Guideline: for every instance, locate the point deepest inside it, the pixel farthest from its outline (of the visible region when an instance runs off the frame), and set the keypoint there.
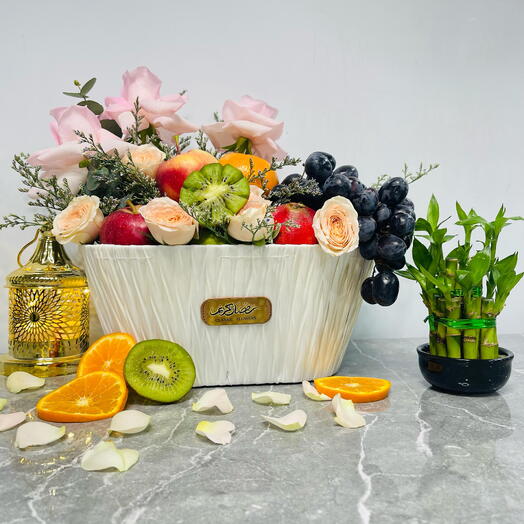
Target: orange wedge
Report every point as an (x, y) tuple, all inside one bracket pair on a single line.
[(243, 162), (97, 395), (357, 389), (108, 353)]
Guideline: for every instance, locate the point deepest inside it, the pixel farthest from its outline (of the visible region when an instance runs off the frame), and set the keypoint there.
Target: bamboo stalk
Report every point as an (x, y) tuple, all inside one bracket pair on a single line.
[(453, 335), (489, 344), (441, 328), (470, 337), (453, 311)]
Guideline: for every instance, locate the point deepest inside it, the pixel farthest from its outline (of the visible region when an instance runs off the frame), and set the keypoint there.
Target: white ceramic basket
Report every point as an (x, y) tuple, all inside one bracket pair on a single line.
[(157, 292)]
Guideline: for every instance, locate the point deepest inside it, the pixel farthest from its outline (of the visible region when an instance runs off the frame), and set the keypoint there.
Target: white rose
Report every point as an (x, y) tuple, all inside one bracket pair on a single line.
[(168, 222), (146, 157), (336, 226), (251, 215), (79, 222)]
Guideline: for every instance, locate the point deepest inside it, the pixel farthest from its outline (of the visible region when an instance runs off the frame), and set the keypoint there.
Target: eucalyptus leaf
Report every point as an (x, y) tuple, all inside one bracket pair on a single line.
[(88, 86), (93, 106), (74, 95), (111, 126)]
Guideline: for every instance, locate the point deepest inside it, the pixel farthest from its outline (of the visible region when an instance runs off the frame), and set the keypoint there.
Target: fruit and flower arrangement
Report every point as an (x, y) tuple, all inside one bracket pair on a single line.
[(134, 172)]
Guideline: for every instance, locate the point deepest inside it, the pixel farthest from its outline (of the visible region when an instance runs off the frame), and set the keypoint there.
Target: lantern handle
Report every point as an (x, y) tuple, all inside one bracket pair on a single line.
[(38, 231)]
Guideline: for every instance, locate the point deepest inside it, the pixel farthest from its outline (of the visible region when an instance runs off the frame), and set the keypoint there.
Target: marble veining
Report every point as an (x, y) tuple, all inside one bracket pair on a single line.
[(423, 457)]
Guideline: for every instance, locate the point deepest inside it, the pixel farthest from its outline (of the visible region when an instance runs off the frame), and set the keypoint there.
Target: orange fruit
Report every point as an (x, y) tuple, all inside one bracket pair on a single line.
[(357, 389), (97, 395), (108, 353), (241, 161)]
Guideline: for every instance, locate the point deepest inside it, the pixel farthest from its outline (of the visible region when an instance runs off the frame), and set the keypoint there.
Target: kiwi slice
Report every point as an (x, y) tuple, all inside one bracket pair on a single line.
[(215, 192), (159, 370)]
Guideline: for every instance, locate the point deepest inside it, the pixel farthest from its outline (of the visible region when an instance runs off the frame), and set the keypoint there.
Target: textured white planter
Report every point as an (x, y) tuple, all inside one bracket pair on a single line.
[(157, 292)]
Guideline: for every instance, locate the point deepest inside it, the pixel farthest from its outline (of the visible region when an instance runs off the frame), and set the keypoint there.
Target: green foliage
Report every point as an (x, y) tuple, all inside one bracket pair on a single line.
[(407, 174), (482, 270), (113, 180), (52, 196)]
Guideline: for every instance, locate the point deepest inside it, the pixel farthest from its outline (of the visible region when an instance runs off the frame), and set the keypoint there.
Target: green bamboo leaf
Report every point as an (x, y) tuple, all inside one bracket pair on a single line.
[(423, 225), (421, 255), (507, 265), (460, 212), (88, 86), (74, 95), (438, 282), (433, 212), (405, 274)]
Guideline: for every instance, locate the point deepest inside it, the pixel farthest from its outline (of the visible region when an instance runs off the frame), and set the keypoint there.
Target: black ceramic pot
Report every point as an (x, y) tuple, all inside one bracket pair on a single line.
[(459, 375)]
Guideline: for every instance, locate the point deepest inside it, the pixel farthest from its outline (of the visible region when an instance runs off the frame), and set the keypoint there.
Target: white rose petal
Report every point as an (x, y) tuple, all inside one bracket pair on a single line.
[(218, 432), (291, 422), (271, 397), (3, 402), (20, 380), (129, 421), (215, 398), (79, 222), (37, 434), (336, 226), (311, 392), (168, 222), (146, 157), (106, 455), (253, 213), (11, 420), (346, 415)]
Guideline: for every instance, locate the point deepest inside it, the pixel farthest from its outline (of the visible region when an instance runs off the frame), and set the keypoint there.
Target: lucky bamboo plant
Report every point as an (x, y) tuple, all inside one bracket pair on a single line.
[(465, 290)]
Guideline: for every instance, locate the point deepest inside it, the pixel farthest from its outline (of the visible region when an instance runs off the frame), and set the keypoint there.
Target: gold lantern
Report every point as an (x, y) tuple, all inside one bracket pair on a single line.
[(48, 313)]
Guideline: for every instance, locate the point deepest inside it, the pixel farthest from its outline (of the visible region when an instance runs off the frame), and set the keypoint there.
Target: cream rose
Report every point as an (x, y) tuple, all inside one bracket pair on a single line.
[(336, 226), (79, 222), (168, 222), (250, 215), (146, 157)]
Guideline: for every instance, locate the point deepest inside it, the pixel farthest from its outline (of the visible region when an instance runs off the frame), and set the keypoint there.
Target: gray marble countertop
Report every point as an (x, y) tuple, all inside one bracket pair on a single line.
[(423, 456)]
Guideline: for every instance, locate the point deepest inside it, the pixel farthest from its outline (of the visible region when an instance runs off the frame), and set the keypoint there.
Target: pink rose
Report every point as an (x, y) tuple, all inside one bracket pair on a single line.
[(158, 111), (79, 222), (251, 119), (336, 226), (252, 214), (62, 161), (168, 222)]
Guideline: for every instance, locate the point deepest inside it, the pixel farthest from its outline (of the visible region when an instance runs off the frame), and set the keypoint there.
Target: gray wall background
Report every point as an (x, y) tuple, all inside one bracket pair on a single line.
[(375, 83)]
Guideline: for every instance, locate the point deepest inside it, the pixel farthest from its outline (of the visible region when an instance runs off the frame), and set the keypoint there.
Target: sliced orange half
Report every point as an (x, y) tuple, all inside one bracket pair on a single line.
[(95, 396), (108, 353), (357, 389)]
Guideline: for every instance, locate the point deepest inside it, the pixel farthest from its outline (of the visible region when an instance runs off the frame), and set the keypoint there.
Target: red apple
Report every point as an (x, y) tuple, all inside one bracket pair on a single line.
[(302, 217), (171, 174), (125, 227)]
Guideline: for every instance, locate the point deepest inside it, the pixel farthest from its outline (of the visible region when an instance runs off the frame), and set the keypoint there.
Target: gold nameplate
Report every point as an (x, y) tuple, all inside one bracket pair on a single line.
[(235, 311)]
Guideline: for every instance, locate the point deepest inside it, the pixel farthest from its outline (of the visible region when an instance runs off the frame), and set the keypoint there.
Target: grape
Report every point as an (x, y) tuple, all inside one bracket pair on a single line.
[(382, 214), (407, 203), (382, 265), (406, 209), (366, 202), (347, 171), (385, 288), (369, 250), (393, 191), (390, 247), (336, 185), (355, 187), (407, 240), (319, 166), (290, 178), (366, 291), (367, 228), (401, 223)]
